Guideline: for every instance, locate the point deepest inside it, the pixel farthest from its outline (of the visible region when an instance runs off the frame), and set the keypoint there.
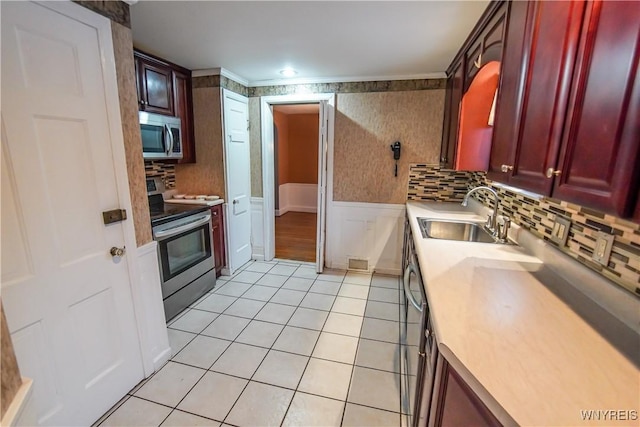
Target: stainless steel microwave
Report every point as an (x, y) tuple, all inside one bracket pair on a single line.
[(161, 136)]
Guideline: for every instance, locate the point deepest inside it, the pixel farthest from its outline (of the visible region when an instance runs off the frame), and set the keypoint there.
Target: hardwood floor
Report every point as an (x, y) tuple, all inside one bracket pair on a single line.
[(296, 236)]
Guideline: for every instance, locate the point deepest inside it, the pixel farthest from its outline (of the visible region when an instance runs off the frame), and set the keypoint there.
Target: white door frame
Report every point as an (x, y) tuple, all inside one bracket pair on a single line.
[(268, 185)]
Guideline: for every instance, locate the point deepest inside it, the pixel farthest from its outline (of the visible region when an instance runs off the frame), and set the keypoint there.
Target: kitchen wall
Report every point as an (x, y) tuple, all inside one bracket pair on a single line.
[(369, 117), (537, 214), (255, 147), (303, 148), (282, 149), (297, 147), (206, 176), (366, 124), (364, 221), (125, 72)]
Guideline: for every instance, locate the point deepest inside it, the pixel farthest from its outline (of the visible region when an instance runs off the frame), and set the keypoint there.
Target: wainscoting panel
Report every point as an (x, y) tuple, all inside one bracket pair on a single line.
[(257, 229), (297, 198), (150, 311), (369, 232)]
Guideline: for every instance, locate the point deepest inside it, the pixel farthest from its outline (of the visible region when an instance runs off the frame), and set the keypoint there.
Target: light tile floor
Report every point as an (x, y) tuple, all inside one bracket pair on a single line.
[(278, 345)]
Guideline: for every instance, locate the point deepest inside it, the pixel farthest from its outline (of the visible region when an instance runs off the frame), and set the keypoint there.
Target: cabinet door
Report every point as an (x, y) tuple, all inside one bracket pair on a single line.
[(599, 158), (155, 83), (536, 81), (458, 405), (184, 110), (488, 46), (451, 116), (510, 92), (219, 252)]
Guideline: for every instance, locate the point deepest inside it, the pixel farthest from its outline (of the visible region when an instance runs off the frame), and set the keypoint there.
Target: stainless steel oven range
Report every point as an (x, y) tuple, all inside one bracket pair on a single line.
[(185, 252)]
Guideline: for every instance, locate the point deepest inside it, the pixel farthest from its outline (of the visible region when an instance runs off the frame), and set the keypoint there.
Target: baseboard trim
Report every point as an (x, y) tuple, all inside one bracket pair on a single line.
[(161, 359)]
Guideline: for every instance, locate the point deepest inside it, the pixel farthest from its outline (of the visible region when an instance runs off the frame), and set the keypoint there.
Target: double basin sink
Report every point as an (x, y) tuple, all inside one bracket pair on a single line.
[(464, 231)]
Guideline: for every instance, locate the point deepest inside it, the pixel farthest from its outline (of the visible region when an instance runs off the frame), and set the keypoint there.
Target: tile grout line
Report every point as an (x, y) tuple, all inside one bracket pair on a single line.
[(271, 348), (353, 369), (285, 325), (265, 356), (309, 359)]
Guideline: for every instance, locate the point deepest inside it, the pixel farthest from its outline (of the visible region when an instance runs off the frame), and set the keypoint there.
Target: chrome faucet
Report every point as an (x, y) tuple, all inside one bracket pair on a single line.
[(492, 221)]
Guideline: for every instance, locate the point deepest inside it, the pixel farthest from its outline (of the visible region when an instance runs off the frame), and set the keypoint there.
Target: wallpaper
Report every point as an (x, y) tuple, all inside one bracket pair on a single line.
[(125, 71), (366, 125), (255, 147), (206, 176)]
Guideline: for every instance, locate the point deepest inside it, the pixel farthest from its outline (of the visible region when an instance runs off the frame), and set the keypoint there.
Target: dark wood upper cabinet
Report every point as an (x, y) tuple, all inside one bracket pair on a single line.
[(488, 45), (184, 110), (600, 155), (483, 45), (568, 114), (452, 112), (155, 86), (165, 88), (537, 69)]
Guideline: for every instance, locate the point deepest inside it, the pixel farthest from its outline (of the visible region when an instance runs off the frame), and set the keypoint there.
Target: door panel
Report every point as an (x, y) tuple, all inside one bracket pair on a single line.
[(157, 87), (601, 146), (538, 141), (238, 178), (68, 303)]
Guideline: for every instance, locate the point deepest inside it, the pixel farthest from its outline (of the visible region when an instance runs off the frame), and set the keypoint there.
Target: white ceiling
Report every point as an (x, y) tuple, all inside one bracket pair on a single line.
[(322, 40)]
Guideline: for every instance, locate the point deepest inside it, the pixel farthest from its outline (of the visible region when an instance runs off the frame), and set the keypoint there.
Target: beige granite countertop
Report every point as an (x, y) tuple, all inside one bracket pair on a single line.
[(528, 355)]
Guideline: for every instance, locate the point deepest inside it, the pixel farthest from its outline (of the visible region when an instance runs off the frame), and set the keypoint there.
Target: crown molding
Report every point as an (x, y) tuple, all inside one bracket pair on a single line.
[(310, 80)]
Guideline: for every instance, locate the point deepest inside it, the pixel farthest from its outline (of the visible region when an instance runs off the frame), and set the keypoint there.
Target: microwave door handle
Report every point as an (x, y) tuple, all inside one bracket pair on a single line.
[(170, 134), (177, 230)]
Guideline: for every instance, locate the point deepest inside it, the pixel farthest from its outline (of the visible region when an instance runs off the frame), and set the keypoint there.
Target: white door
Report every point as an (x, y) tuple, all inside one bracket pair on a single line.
[(237, 177), (322, 184), (68, 302)]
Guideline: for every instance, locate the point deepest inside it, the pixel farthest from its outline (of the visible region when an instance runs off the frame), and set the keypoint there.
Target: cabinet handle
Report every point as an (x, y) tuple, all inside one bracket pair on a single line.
[(478, 62), (215, 213), (551, 172), (506, 168)]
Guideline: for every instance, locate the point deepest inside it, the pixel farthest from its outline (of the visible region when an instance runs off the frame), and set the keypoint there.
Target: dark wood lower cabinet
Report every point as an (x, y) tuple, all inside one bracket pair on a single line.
[(456, 404), (219, 252)]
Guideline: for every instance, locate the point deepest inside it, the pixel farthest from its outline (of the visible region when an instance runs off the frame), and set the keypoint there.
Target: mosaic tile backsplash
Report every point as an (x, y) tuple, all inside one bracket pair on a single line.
[(432, 183), (166, 171)]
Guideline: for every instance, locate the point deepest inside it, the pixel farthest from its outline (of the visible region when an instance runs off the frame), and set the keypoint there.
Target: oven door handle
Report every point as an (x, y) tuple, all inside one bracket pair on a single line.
[(177, 230), (407, 291)]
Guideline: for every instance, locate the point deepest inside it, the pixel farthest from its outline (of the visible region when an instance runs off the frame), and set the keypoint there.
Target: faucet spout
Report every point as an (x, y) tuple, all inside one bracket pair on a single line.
[(492, 223)]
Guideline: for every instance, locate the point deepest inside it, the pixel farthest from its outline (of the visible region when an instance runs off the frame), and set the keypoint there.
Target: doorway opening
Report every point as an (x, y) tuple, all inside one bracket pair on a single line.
[(296, 138)]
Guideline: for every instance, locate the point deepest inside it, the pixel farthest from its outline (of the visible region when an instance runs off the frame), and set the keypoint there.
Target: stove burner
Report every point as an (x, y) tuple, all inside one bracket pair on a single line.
[(163, 212)]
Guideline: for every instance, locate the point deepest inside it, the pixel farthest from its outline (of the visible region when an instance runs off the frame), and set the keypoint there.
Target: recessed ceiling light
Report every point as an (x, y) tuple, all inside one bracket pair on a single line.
[(288, 72)]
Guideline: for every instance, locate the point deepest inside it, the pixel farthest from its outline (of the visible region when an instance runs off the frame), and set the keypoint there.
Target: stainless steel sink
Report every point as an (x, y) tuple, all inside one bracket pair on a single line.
[(465, 231)]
